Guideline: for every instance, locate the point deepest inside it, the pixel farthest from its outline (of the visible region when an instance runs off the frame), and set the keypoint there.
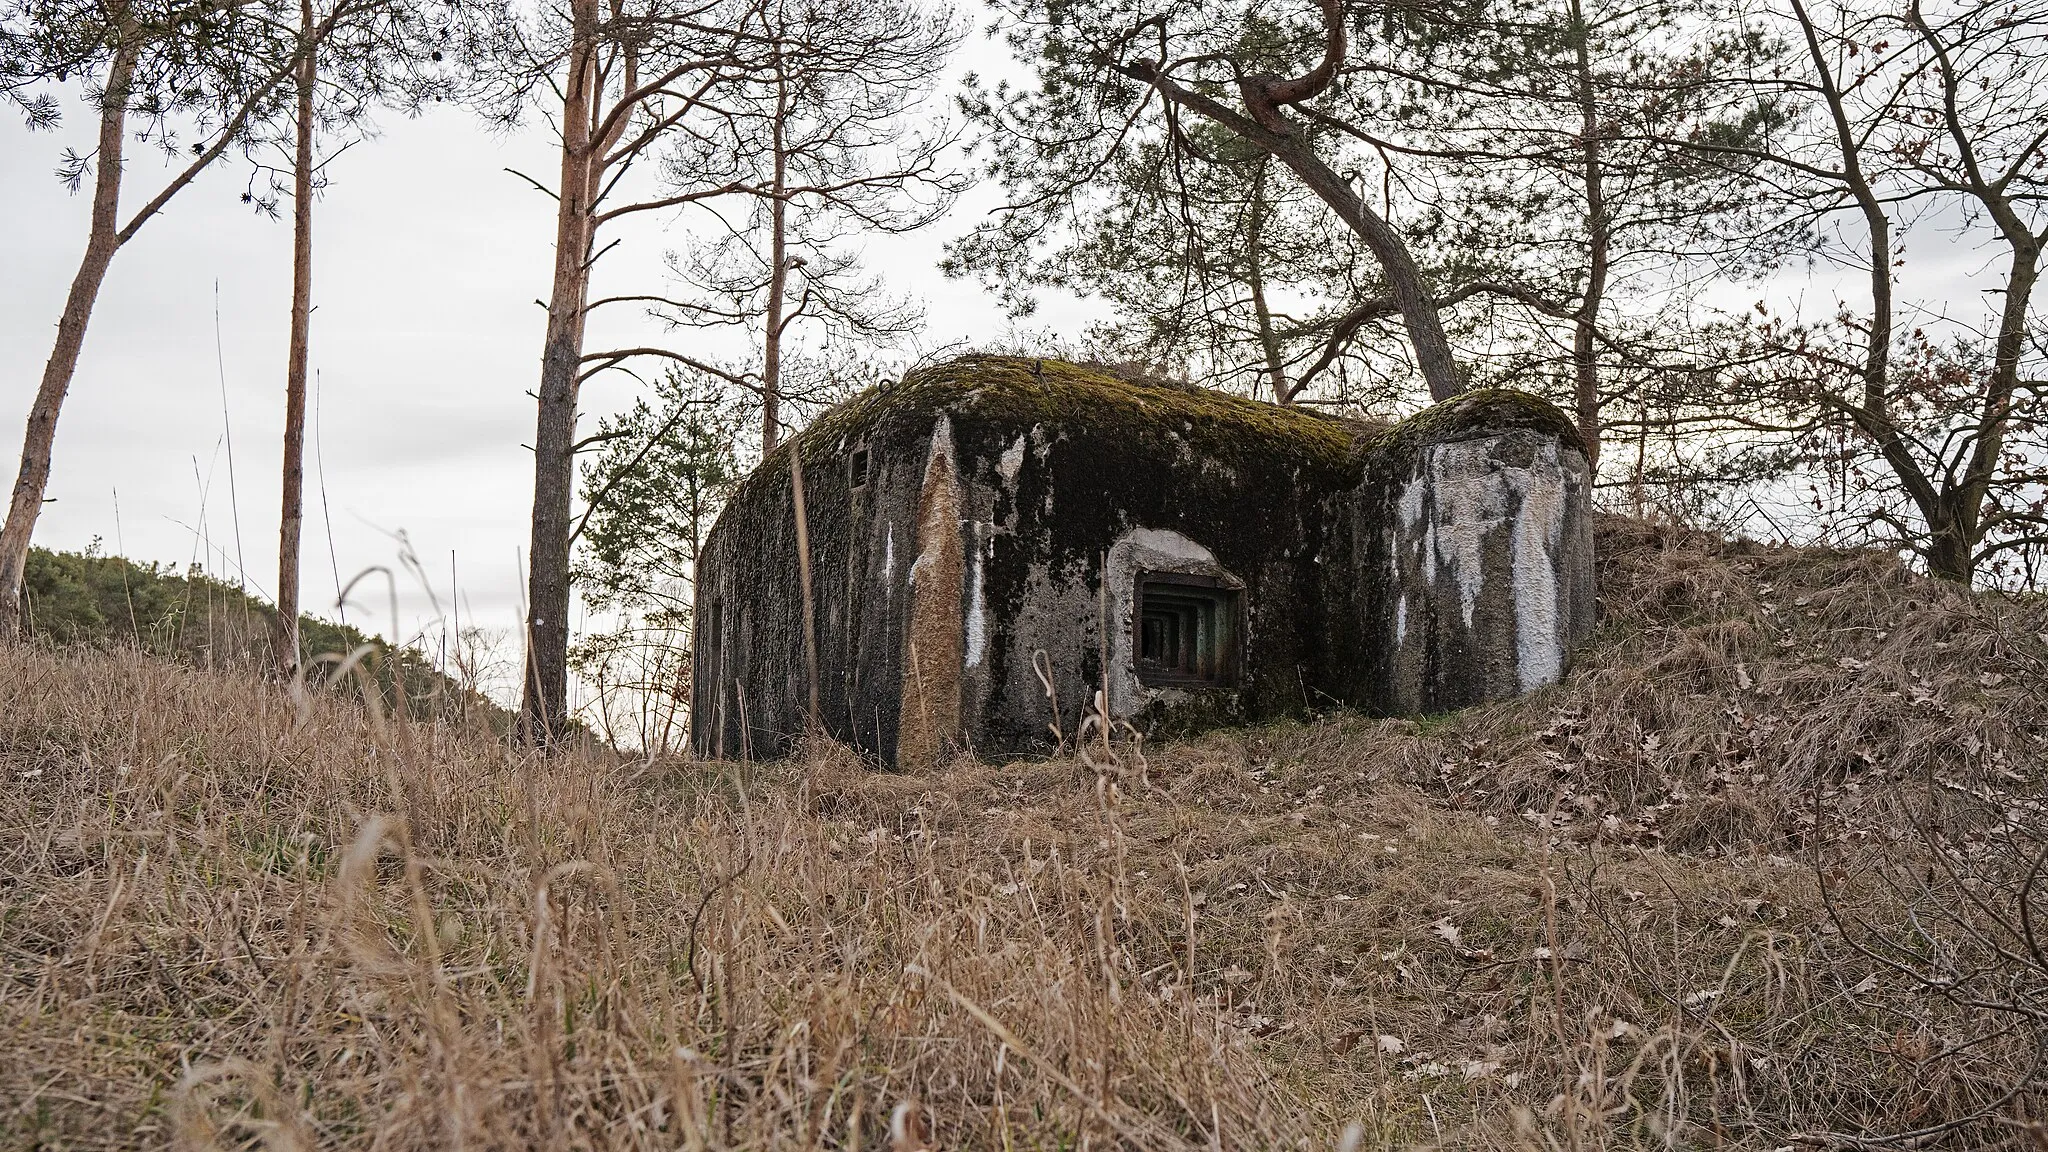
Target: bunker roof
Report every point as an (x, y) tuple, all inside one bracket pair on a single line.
[(1022, 391), (1474, 414)]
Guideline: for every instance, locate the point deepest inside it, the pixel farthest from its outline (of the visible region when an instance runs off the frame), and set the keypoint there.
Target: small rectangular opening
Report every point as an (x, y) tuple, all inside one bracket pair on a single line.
[(857, 468), (1185, 630)]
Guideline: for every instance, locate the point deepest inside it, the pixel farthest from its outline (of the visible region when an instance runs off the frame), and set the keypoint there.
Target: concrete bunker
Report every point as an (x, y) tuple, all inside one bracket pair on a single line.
[(991, 535)]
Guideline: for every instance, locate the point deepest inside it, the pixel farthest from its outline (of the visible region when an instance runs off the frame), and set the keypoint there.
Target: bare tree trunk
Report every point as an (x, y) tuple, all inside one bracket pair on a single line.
[(1877, 345), (291, 514), (1599, 240), (544, 706), (102, 240), (1264, 124), (1432, 348), (1877, 348), (771, 348), (1955, 519), (778, 282), (1255, 268), (1946, 555), (1954, 555), (1264, 97)]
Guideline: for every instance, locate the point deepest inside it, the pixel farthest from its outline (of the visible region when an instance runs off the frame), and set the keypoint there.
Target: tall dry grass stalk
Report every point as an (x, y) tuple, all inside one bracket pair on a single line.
[(227, 920)]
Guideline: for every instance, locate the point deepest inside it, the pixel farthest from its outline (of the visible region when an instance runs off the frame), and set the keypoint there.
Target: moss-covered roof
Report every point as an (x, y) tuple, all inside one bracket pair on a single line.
[(1468, 415), (1023, 391)]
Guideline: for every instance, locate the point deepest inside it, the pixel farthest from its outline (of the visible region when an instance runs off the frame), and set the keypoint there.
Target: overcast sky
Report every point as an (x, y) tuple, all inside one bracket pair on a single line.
[(426, 338)]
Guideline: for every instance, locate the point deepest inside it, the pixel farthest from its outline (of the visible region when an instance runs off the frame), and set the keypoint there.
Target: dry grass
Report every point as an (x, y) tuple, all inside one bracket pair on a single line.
[(1583, 920)]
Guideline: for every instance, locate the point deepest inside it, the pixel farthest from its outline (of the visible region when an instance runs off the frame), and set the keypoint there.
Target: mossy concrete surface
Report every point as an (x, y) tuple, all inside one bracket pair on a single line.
[(982, 533)]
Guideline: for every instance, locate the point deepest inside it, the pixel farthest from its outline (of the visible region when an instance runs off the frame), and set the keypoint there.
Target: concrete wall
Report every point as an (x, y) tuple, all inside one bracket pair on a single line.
[(1489, 570), (749, 691), (1056, 513)]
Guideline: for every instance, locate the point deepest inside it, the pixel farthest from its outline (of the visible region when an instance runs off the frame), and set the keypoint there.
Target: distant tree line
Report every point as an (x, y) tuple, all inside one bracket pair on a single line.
[(93, 599)]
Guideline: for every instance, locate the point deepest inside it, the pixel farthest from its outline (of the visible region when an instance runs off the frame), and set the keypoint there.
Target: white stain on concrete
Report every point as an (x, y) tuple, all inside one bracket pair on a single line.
[(1011, 461), (977, 606), (1411, 504), (1470, 499), (1464, 495), (1539, 603), (889, 560)]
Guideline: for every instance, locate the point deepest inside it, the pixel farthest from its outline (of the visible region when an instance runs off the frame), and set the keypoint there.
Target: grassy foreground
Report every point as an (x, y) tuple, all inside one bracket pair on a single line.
[(1594, 918)]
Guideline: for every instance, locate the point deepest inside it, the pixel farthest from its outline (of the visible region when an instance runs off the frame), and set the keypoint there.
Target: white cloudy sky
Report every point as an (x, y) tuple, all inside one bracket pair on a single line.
[(426, 340)]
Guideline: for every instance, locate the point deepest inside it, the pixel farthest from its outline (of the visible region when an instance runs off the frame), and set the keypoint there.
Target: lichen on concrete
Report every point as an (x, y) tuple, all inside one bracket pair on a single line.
[(930, 722)]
